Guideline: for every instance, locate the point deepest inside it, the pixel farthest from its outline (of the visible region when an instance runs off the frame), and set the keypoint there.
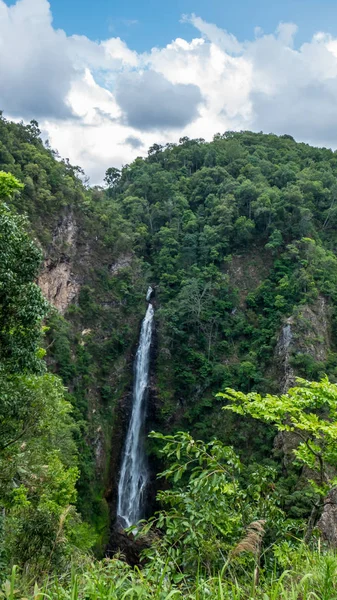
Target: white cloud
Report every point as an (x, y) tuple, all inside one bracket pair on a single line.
[(219, 37), (35, 68), (87, 94)]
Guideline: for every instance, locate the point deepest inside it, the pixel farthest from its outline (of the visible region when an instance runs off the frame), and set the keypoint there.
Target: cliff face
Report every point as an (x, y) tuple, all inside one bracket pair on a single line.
[(306, 333), (57, 280), (237, 235), (98, 297), (246, 271), (69, 267), (93, 313)]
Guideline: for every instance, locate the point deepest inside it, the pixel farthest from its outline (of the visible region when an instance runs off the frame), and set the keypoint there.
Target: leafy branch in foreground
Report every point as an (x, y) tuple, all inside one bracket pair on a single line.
[(210, 504), (310, 412)]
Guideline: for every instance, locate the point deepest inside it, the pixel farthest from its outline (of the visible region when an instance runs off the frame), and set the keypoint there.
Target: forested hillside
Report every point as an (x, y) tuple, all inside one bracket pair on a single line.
[(81, 238), (240, 236), (238, 239)]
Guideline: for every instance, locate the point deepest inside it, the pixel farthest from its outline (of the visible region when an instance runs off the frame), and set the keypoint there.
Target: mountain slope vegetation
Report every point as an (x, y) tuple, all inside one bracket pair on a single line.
[(239, 234), (238, 239)]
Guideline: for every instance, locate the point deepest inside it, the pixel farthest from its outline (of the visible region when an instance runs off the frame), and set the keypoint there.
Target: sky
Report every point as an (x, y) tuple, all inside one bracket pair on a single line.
[(148, 23), (107, 79)]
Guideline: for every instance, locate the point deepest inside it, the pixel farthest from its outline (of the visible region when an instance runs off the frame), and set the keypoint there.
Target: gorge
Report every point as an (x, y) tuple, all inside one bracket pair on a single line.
[(239, 236)]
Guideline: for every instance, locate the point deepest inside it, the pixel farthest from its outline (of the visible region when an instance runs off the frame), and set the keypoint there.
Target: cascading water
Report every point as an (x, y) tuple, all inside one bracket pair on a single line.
[(134, 470), (149, 294)]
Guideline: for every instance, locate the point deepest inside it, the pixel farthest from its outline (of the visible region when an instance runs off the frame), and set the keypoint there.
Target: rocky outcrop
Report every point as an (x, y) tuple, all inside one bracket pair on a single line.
[(282, 355), (131, 547), (327, 524), (123, 262), (306, 332), (58, 284), (57, 281)]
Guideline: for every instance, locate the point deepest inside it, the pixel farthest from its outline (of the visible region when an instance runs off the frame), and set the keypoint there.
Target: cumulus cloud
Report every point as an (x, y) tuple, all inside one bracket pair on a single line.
[(102, 104), (150, 101), (220, 37), (294, 91), (313, 119), (35, 69), (39, 65)]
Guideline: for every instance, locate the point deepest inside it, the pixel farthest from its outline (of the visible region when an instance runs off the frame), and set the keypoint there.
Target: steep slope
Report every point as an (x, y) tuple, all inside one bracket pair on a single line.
[(238, 238), (240, 235), (96, 284)]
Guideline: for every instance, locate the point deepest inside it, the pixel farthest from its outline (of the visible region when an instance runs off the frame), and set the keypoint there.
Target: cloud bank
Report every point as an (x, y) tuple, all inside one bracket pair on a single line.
[(101, 104)]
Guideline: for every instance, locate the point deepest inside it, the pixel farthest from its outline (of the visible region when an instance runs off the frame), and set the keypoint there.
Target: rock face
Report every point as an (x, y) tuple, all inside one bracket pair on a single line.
[(123, 261), (58, 284), (247, 271), (306, 332), (57, 281), (327, 524), (282, 352)]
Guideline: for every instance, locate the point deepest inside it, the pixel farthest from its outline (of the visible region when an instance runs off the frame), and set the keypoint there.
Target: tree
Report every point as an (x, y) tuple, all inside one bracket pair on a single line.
[(211, 500), (301, 411), (38, 457), (22, 306), (155, 149), (112, 176), (8, 185), (38, 471)]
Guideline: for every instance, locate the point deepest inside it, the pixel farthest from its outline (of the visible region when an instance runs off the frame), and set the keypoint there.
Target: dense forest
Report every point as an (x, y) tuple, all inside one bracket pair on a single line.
[(237, 238)]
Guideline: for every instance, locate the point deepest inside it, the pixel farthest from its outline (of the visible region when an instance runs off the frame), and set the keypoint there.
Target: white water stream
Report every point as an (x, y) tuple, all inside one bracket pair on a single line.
[(134, 470)]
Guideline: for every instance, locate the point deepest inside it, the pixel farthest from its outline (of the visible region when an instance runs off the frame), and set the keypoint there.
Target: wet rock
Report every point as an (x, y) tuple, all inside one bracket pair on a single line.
[(130, 546), (306, 332), (283, 354)]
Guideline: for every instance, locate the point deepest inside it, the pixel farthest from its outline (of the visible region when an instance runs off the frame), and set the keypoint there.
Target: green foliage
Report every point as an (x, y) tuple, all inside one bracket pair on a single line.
[(38, 457), (50, 185), (237, 235), (22, 306), (110, 304), (308, 413), (211, 501), (308, 574), (111, 176), (8, 184), (243, 225), (290, 412)]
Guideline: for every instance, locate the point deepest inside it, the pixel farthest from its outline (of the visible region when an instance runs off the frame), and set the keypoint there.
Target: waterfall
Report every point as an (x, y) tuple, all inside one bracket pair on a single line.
[(149, 294), (134, 470)]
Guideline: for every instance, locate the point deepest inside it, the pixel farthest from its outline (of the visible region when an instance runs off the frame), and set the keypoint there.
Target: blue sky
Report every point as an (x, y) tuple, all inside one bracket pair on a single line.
[(147, 23)]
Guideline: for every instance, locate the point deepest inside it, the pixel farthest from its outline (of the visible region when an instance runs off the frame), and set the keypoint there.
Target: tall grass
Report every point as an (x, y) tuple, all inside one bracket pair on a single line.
[(313, 576)]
